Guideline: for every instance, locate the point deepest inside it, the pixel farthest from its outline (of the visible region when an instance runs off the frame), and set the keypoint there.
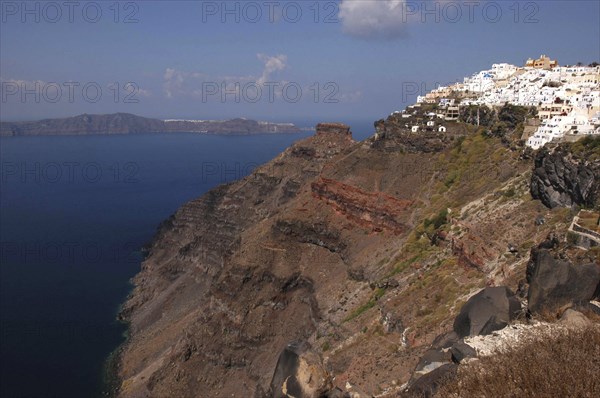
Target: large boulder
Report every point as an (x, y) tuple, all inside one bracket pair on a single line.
[(299, 373), (431, 360), (426, 386), (445, 341), (556, 282), (461, 351), (489, 310)]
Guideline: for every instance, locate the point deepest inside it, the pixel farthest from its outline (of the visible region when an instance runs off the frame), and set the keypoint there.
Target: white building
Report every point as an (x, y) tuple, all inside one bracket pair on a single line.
[(567, 98), (557, 127)]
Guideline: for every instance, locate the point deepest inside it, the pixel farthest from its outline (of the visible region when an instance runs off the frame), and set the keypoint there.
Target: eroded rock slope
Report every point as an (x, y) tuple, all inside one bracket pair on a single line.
[(341, 261)]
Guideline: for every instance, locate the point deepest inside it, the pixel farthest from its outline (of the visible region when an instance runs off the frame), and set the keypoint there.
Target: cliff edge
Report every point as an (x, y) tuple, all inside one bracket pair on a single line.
[(334, 268)]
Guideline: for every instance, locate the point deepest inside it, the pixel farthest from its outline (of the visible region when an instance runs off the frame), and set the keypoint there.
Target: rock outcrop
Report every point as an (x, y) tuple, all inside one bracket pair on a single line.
[(461, 351), (395, 134), (333, 128), (560, 179), (556, 282), (317, 234), (374, 210), (431, 360), (299, 373), (427, 385), (489, 310)]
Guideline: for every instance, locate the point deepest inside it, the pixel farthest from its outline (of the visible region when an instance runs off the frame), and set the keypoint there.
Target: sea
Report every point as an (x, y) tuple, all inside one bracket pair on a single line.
[(75, 212)]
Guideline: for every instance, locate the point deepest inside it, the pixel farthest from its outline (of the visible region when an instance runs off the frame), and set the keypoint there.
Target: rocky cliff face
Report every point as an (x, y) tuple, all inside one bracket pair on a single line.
[(395, 134), (373, 210), (232, 278), (563, 179), (333, 268)]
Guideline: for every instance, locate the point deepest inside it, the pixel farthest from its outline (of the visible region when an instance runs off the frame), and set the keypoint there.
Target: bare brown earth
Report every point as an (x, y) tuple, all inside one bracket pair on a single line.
[(334, 242)]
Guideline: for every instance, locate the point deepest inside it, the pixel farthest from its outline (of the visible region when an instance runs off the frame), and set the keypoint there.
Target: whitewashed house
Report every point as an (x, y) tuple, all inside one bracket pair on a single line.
[(567, 98), (576, 123)]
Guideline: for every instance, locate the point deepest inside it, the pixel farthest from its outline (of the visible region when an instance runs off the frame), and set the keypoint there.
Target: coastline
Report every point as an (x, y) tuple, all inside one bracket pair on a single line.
[(111, 383), (85, 134), (126, 123)]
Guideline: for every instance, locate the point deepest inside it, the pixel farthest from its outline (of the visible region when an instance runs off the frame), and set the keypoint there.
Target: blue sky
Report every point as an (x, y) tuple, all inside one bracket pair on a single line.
[(191, 59)]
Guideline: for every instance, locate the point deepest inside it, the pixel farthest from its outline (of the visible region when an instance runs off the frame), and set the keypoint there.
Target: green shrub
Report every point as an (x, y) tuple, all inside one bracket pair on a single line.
[(509, 193), (379, 292), (440, 219)]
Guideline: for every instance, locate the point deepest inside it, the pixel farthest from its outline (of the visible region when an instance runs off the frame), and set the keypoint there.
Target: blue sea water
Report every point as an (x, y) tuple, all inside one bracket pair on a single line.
[(74, 214)]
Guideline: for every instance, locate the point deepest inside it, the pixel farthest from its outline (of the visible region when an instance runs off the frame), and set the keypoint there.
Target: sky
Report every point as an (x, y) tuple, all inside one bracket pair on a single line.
[(268, 60)]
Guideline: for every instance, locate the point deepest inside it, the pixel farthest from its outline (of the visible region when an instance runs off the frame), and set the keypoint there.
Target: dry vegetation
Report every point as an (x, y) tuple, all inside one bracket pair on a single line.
[(587, 148), (565, 366), (589, 220)]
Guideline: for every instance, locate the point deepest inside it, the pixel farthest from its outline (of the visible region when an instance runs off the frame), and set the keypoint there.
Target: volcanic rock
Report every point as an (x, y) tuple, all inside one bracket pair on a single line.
[(299, 373), (333, 128), (556, 282), (461, 351), (489, 310), (560, 180), (426, 386)]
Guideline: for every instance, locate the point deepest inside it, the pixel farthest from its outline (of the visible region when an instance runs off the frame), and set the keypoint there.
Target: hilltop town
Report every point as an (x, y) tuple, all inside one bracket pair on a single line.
[(564, 100)]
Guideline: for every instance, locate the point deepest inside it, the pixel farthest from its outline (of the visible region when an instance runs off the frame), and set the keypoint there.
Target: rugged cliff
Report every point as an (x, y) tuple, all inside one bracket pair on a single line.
[(333, 268), (567, 175)]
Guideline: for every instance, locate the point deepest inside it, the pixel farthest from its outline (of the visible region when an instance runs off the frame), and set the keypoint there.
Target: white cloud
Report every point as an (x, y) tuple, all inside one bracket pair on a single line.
[(352, 97), (374, 19), (177, 82), (173, 82), (272, 64), (144, 93), (196, 85)]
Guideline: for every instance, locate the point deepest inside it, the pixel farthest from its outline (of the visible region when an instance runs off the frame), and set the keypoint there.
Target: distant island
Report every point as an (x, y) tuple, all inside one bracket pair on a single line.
[(126, 123)]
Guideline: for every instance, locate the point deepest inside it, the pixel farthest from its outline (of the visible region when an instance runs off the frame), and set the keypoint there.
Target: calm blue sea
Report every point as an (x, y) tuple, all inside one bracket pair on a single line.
[(74, 213)]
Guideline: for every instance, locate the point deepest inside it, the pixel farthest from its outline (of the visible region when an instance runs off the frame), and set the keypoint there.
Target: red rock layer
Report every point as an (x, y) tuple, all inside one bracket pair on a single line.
[(375, 210)]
